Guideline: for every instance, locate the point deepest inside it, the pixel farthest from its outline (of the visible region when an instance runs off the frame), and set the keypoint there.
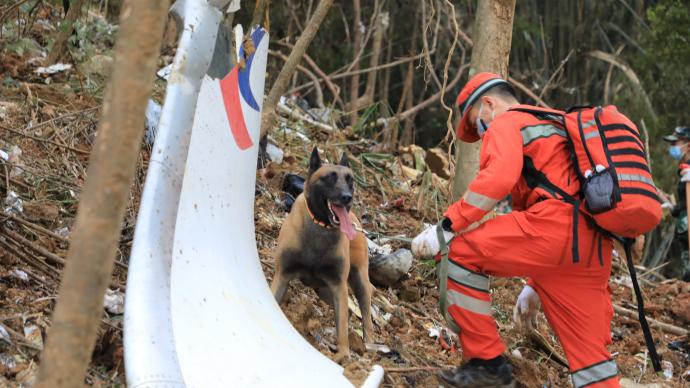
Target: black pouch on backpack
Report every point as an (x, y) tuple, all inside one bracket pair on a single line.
[(599, 192)]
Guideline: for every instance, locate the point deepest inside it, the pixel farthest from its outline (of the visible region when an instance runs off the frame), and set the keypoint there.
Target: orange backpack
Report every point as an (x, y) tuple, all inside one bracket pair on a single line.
[(617, 188)]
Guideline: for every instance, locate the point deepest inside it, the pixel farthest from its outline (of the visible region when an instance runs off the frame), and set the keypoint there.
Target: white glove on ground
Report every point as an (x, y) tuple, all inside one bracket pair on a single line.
[(526, 308), (685, 175), (426, 244)]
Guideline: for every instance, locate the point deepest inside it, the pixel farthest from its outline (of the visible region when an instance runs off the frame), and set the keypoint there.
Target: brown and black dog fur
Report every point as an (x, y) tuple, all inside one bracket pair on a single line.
[(322, 256)]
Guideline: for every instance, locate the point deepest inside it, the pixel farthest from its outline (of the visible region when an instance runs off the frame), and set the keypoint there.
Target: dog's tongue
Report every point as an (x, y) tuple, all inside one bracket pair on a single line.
[(345, 222)]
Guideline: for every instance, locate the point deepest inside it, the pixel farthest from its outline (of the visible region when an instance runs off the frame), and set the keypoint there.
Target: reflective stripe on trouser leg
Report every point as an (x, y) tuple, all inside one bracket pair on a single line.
[(595, 373), (469, 307)]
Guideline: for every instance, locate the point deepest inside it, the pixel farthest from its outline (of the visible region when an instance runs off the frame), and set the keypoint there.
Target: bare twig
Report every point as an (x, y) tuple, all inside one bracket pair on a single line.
[(671, 329), (308, 73), (268, 115), (528, 92), (51, 257), (83, 152), (334, 76), (555, 73)]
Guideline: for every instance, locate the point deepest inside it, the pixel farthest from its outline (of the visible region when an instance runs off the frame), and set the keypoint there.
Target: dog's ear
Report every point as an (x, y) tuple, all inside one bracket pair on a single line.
[(314, 161), (344, 160)]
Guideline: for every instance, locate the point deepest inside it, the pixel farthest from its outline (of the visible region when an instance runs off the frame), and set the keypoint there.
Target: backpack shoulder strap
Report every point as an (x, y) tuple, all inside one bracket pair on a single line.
[(541, 113)]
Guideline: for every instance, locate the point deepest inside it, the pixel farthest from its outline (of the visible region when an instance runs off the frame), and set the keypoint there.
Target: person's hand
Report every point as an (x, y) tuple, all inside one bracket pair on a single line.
[(526, 308), (667, 205), (685, 175), (426, 244)]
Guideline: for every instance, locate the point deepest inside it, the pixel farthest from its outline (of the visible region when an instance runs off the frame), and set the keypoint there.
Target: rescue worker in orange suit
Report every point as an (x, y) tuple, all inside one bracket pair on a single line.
[(567, 262)]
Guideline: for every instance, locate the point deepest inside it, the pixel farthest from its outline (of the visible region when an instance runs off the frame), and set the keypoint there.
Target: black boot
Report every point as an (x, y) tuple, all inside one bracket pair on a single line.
[(495, 373)]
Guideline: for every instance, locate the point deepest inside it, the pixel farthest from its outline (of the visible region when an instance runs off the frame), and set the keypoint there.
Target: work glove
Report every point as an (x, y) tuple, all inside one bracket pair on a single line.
[(526, 308), (685, 175), (426, 244)]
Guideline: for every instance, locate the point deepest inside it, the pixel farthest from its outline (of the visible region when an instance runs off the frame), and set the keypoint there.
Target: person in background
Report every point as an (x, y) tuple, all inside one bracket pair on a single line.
[(680, 151)]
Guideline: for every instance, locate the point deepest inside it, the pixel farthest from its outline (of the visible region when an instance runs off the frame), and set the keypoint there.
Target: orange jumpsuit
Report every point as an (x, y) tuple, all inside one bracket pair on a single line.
[(536, 241)]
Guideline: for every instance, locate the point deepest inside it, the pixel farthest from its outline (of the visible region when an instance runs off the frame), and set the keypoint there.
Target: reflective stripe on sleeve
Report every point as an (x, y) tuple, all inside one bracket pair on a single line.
[(534, 132), (594, 373), (480, 201)]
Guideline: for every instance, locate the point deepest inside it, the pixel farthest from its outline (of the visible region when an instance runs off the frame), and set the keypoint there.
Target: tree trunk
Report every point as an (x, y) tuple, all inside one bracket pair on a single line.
[(101, 209), (64, 32), (493, 29), (259, 12), (356, 46), (268, 116), (381, 27)]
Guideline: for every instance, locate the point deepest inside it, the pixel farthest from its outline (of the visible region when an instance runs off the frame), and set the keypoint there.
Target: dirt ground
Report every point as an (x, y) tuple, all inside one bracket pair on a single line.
[(52, 120)]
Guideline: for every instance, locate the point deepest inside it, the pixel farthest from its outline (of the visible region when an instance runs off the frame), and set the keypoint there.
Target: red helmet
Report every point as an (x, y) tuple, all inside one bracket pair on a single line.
[(470, 94)]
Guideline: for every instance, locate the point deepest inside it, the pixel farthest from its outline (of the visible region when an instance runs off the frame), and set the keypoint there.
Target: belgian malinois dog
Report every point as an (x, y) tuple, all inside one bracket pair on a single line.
[(319, 244)]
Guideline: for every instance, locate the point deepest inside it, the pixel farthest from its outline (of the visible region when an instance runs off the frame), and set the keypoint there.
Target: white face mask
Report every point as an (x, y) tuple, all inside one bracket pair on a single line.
[(481, 125)]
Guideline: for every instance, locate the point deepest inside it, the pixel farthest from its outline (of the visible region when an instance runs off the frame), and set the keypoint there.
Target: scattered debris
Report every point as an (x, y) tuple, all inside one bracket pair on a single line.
[(153, 115), (21, 275), (13, 204), (33, 335), (378, 348), (165, 72), (114, 302), (275, 154), (52, 69), (4, 335), (292, 187), (385, 270)]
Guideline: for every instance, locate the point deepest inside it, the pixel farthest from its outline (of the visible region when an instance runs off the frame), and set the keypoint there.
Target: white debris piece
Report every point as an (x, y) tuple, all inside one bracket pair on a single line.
[(668, 370), (21, 275), (275, 154), (165, 72), (153, 115), (63, 232), (14, 158), (13, 204), (7, 361), (4, 335), (33, 334), (376, 249), (114, 302), (52, 69)]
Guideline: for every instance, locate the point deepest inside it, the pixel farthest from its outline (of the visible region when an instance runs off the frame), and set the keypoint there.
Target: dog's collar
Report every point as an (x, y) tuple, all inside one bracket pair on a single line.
[(317, 222)]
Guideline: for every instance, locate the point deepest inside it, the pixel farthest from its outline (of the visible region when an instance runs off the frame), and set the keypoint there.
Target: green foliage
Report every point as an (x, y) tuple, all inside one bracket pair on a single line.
[(663, 68)]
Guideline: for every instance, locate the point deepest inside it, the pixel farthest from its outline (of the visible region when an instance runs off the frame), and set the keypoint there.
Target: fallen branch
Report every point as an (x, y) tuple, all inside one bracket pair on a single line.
[(45, 140), (35, 227), (295, 115), (540, 341), (51, 257), (671, 329)]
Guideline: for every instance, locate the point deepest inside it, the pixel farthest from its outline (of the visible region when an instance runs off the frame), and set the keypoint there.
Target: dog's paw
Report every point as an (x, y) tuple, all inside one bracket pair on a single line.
[(342, 356)]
